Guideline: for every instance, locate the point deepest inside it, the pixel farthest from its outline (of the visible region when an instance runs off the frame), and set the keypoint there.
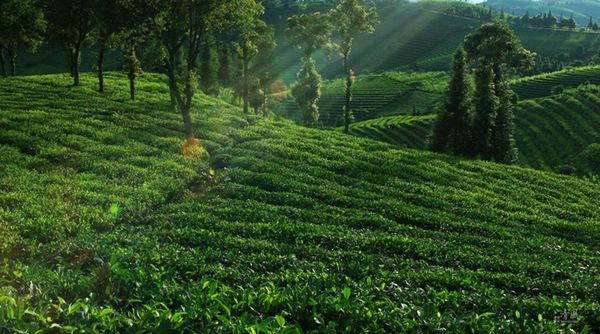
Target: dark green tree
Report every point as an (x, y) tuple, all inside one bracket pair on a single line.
[(186, 22), (224, 65), (486, 107), (307, 90), (452, 130), (497, 50), (350, 19), (504, 147), (133, 68), (21, 24), (71, 23), (254, 38), (308, 32), (209, 66)]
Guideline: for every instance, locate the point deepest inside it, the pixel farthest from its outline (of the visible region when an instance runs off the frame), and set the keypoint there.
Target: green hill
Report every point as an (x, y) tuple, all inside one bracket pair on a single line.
[(106, 227)]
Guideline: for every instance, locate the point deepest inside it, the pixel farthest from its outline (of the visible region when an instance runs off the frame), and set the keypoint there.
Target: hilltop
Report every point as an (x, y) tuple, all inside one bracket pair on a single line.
[(107, 227), (580, 9)]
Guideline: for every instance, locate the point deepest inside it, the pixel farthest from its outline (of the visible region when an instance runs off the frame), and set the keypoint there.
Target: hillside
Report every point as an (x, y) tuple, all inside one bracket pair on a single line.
[(106, 227), (553, 129), (375, 95)]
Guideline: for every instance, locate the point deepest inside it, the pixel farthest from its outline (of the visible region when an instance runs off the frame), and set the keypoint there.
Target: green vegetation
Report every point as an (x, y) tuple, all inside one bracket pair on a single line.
[(293, 230)]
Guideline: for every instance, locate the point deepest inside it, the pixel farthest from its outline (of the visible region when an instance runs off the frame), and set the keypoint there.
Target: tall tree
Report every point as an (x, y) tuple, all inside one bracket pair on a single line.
[(136, 26), (350, 19), (71, 23), (497, 50), (452, 130), (224, 72), (21, 24), (209, 66), (108, 15), (133, 68), (486, 108), (308, 32), (254, 38), (185, 22), (505, 148)]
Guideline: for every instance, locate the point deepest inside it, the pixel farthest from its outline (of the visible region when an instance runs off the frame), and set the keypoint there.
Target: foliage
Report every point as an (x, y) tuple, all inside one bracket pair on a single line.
[(71, 23), (452, 131), (306, 92), (22, 24), (308, 32), (497, 50), (254, 39), (349, 19)]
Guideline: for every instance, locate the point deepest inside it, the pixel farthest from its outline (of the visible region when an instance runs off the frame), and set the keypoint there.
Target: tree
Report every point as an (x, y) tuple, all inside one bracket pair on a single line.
[(497, 50), (486, 107), (254, 38), (133, 68), (209, 65), (307, 90), (224, 73), (308, 32), (350, 19), (71, 23), (21, 24), (505, 148), (186, 22), (108, 21), (452, 130)]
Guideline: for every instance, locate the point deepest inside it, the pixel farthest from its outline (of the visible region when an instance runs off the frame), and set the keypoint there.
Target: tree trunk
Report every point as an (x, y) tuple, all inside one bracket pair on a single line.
[(348, 95), (12, 55), (101, 70), (76, 60), (246, 92), (264, 101), (132, 86), (185, 110), (172, 79), (4, 74)]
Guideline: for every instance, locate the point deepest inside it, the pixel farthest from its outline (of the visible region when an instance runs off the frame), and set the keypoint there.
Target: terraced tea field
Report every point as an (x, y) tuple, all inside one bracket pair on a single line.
[(542, 85), (404, 131), (376, 95), (553, 132), (292, 230)]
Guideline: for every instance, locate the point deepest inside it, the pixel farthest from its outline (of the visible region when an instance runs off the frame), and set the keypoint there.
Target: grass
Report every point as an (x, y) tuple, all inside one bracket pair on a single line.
[(293, 230)]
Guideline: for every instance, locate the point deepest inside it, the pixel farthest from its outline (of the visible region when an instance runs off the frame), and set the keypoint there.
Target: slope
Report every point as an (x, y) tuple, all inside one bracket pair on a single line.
[(296, 230)]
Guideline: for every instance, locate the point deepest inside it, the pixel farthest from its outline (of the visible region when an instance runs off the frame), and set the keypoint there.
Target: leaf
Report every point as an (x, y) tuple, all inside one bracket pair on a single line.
[(540, 318), (517, 314), (280, 320), (177, 317), (346, 292)]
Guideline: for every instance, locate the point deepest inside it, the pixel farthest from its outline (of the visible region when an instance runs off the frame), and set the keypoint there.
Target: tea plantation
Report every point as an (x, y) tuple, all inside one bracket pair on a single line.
[(106, 227)]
